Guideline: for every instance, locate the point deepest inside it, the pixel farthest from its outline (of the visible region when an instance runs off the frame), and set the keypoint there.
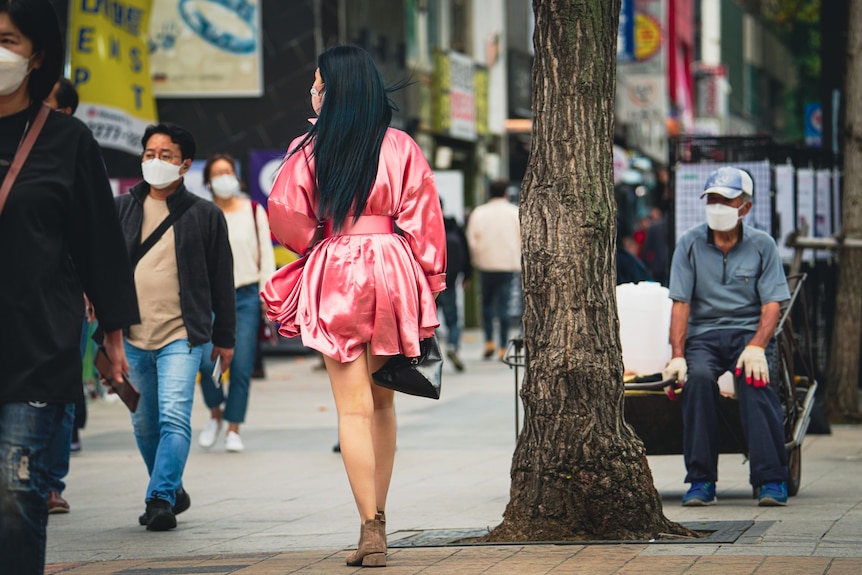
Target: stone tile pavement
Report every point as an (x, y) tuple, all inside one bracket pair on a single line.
[(284, 506)]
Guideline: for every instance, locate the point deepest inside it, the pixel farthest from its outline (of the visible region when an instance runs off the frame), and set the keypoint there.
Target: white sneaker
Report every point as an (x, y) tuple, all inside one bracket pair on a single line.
[(233, 442), (207, 438)]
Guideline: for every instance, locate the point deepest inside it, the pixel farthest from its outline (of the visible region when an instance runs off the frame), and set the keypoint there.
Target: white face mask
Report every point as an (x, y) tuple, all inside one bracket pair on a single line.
[(225, 186), (160, 174), (721, 218), (13, 70)]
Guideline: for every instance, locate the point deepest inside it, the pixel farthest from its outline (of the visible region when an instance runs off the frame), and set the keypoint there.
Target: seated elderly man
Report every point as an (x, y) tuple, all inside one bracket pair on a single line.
[(726, 284)]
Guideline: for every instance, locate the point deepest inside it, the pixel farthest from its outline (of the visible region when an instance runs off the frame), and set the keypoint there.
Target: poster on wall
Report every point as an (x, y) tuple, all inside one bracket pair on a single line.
[(784, 209), (823, 209), (805, 211), (108, 65), (206, 48)]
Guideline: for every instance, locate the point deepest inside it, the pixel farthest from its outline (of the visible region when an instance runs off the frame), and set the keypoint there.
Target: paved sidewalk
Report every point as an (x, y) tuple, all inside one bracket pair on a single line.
[(284, 505)]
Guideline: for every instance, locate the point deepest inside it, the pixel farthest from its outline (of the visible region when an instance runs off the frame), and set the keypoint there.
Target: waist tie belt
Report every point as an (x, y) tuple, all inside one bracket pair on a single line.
[(364, 225)]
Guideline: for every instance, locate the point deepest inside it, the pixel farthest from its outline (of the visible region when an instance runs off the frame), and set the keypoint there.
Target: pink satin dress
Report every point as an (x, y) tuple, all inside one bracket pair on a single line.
[(358, 288)]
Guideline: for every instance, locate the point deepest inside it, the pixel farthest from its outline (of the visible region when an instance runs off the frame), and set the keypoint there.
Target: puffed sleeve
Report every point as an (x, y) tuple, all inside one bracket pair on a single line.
[(419, 216), (291, 215)]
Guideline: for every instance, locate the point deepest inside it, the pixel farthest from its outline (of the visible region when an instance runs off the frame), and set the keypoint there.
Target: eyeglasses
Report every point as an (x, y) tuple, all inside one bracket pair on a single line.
[(315, 92), (163, 156)]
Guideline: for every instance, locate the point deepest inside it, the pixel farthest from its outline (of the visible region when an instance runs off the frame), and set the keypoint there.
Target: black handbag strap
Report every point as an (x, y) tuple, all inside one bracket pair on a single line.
[(182, 205)]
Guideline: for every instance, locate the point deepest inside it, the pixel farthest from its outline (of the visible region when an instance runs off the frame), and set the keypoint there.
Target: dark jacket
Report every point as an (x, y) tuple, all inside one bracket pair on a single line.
[(59, 237), (457, 253), (204, 259)]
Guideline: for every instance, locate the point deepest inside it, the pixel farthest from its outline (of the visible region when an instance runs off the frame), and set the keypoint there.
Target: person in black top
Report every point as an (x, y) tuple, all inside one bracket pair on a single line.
[(457, 265), (59, 237)]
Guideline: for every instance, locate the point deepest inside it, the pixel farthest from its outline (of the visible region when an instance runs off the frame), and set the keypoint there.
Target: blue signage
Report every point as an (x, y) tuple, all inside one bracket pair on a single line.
[(626, 32), (813, 124)]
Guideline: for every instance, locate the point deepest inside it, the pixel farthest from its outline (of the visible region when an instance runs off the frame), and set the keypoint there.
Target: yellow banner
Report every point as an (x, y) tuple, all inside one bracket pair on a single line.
[(109, 63)]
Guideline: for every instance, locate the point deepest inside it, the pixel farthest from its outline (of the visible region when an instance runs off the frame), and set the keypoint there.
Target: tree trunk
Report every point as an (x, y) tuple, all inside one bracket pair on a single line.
[(579, 471), (842, 398)]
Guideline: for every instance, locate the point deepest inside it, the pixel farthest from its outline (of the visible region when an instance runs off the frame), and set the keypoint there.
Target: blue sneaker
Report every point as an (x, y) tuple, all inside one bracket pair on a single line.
[(700, 493), (772, 494)]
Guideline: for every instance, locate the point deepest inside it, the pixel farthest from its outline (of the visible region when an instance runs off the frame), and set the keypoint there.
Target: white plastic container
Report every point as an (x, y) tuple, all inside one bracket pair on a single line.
[(644, 311)]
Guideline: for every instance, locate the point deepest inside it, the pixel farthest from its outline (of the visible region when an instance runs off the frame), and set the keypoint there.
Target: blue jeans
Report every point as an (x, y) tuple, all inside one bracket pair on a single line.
[(496, 293), (25, 432), (447, 301), (58, 450), (247, 324), (162, 423), (709, 355)]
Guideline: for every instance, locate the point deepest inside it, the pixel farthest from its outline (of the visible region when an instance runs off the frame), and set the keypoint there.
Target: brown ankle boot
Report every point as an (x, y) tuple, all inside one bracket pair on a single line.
[(371, 550), (381, 515)]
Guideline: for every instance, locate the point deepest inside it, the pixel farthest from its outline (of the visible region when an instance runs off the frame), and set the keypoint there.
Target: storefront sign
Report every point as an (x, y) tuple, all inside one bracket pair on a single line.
[(626, 32), (206, 48), (109, 67), (460, 96)]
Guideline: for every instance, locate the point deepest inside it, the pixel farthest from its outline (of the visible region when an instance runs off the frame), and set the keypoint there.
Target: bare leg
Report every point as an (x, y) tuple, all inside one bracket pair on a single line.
[(355, 402), (383, 432)]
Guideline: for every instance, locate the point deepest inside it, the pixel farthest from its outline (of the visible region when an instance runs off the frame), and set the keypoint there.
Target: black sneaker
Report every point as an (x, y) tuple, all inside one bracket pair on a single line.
[(182, 503), (159, 514)]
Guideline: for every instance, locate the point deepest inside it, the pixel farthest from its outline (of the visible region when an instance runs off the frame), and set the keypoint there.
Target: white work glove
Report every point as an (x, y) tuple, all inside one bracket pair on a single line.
[(675, 367), (753, 360)]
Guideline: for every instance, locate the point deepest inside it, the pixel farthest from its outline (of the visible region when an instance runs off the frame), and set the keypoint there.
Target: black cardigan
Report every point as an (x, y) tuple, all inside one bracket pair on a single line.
[(204, 260)]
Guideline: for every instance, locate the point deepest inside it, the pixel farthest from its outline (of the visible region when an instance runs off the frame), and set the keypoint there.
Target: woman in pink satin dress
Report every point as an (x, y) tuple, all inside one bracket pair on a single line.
[(363, 293)]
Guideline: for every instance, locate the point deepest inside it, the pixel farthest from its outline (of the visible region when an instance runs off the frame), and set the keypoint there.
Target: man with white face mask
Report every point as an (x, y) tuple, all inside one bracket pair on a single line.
[(179, 248), (727, 284)]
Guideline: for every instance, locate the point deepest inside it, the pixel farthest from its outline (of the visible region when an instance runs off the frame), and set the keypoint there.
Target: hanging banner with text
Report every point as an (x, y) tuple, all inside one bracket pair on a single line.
[(206, 48), (108, 58)]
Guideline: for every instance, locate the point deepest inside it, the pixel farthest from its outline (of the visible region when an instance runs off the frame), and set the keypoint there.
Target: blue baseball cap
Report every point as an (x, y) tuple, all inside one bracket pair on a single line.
[(729, 182)]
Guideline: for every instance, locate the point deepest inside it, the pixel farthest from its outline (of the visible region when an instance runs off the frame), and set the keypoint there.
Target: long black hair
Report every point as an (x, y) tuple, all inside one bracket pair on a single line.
[(347, 136)]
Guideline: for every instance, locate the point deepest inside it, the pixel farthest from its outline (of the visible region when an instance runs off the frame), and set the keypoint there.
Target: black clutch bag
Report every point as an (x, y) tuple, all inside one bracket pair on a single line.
[(414, 375)]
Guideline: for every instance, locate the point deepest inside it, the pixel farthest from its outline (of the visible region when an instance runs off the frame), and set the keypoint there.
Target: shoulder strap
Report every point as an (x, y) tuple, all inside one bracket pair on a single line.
[(22, 153), (145, 246), (254, 205)]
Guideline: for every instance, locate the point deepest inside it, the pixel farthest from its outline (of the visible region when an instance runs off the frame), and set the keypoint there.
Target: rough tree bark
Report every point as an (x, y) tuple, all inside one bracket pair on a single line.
[(579, 471), (842, 397)]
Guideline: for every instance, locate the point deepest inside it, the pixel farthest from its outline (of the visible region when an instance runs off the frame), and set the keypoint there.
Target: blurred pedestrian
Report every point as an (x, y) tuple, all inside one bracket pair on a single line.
[(655, 251), (494, 236), (174, 239), (60, 237), (365, 292), (458, 273), (253, 264), (64, 99)]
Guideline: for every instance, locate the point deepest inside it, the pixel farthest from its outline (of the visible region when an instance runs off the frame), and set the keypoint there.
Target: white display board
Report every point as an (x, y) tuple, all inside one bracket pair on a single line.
[(450, 188), (823, 227), (805, 205), (785, 210)]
